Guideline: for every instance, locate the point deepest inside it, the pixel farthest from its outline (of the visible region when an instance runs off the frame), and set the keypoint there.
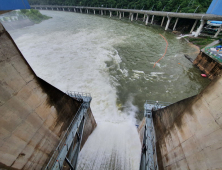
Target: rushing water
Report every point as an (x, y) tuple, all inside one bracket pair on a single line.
[(113, 60)]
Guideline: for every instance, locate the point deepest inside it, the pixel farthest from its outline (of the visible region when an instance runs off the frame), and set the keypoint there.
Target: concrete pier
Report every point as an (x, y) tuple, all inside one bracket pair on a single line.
[(119, 15), (200, 28), (174, 28), (152, 19), (144, 17), (162, 21), (194, 25), (110, 14), (168, 23), (136, 16), (147, 20), (131, 16)]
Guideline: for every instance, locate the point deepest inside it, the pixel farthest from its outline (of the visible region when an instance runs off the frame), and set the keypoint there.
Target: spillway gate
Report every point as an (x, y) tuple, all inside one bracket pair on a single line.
[(66, 153)]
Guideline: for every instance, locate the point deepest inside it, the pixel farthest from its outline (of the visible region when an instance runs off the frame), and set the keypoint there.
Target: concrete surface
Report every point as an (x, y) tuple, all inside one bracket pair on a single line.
[(189, 132)]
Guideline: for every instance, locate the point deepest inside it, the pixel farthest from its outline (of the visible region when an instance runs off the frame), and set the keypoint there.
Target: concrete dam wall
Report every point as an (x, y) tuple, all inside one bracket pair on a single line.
[(208, 65), (34, 115), (189, 132)]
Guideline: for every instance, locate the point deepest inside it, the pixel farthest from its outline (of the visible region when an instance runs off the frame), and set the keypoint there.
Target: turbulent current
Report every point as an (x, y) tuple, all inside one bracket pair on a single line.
[(113, 60)]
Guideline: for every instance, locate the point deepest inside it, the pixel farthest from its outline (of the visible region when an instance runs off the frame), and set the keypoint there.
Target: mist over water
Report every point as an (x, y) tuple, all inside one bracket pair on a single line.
[(113, 60)]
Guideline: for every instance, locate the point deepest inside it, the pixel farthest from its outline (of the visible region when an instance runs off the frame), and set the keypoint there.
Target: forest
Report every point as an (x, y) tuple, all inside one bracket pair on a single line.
[(187, 6)]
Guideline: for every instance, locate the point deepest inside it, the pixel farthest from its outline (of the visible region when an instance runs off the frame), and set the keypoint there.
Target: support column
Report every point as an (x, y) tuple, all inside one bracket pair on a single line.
[(137, 16), (218, 31), (147, 20), (132, 17), (123, 14), (69, 9), (57, 9), (194, 25), (110, 14), (144, 17), (94, 11), (152, 19), (168, 23), (174, 28), (74, 9), (200, 28), (80, 10), (119, 15), (162, 21), (63, 9), (101, 12), (105, 12)]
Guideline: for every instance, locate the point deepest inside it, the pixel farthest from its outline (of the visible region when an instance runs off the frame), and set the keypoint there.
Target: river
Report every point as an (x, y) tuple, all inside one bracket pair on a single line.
[(113, 60)]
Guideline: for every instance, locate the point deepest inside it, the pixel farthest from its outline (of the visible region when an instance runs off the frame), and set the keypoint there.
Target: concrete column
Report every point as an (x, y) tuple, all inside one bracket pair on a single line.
[(123, 14), (101, 12), (144, 17), (200, 28), (194, 25), (152, 19), (63, 9), (105, 12), (218, 31), (110, 14), (137, 16), (94, 11), (147, 20), (74, 9), (80, 10), (57, 9), (119, 15), (132, 17), (162, 21), (69, 9), (168, 23), (174, 28)]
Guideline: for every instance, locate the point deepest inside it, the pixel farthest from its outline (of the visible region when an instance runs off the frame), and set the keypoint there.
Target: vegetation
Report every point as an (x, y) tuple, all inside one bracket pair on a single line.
[(188, 6), (202, 41), (34, 15)]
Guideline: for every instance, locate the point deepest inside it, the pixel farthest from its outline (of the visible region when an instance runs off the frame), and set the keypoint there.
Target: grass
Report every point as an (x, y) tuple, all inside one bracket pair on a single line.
[(203, 41)]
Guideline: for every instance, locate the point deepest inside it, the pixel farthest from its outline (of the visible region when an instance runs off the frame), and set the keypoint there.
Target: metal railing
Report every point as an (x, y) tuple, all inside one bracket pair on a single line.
[(80, 95), (157, 104), (148, 155)]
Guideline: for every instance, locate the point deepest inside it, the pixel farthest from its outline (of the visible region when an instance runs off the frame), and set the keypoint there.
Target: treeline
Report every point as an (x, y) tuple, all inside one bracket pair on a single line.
[(34, 15), (187, 6)]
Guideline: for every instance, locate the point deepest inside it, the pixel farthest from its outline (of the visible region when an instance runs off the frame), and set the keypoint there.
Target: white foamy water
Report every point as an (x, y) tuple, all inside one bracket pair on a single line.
[(72, 57)]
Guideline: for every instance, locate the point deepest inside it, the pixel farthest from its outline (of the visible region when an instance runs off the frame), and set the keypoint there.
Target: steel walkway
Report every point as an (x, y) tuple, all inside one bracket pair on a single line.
[(148, 155), (68, 149)]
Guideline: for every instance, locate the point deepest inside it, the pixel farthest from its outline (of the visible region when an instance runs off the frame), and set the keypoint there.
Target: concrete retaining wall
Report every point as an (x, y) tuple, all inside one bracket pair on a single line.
[(33, 114), (189, 132), (208, 65)]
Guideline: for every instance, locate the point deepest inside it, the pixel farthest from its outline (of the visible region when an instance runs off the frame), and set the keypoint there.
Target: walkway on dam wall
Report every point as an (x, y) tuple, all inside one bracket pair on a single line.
[(148, 15), (34, 115)]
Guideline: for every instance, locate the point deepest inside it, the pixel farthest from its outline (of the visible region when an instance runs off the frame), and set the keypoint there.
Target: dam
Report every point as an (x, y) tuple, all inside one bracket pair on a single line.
[(111, 60)]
